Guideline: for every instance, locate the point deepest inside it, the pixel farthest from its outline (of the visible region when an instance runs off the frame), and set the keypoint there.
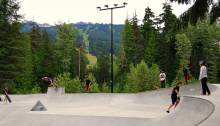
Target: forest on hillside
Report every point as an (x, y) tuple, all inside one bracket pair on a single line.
[(96, 36), (157, 42)]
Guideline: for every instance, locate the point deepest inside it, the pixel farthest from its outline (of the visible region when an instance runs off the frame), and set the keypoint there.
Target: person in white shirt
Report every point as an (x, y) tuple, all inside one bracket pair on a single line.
[(203, 78), (162, 79)]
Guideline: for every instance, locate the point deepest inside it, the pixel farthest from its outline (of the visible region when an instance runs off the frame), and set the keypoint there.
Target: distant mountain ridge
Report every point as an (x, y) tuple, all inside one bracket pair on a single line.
[(98, 34)]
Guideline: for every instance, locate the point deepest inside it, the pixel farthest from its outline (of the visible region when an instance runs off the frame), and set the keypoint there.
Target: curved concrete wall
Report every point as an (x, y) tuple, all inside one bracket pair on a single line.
[(191, 112)]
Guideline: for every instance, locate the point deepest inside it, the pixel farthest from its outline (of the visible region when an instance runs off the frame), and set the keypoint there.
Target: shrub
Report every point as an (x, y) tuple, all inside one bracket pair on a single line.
[(137, 78), (71, 85), (94, 86), (36, 89), (141, 78)]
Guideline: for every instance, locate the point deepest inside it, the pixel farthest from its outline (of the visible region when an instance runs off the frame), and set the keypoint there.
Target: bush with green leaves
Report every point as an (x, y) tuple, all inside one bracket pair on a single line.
[(36, 89), (71, 85), (106, 87), (142, 78), (153, 78)]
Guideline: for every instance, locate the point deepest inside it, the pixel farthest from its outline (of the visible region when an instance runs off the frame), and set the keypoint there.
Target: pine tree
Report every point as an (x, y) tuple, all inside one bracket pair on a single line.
[(11, 57), (166, 52), (128, 48), (65, 50), (214, 53), (184, 49), (37, 55), (138, 43), (47, 55), (199, 47), (24, 81), (103, 69), (149, 38), (199, 10)]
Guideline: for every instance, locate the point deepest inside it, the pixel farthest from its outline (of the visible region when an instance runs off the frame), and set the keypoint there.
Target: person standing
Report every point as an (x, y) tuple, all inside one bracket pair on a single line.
[(162, 79), (88, 85), (186, 74), (203, 78)]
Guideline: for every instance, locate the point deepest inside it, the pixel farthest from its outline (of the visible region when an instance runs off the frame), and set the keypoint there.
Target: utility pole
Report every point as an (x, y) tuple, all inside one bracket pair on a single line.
[(79, 60)]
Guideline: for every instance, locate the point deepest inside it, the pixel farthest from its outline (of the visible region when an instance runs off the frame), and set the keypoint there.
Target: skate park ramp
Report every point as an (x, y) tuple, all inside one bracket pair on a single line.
[(102, 109)]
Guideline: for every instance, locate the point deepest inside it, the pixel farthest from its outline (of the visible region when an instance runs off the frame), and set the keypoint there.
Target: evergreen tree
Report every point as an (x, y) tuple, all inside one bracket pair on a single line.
[(11, 57), (128, 48), (65, 50), (214, 53), (148, 33), (137, 40), (199, 10), (184, 49), (132, 47), (47, 55), (199, 46), (24, 81), (166, 51), (37, 47), (103, 71)]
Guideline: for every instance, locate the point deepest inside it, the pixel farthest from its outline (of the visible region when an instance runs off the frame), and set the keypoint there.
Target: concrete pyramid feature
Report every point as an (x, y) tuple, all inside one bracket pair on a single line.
[(39, 107)]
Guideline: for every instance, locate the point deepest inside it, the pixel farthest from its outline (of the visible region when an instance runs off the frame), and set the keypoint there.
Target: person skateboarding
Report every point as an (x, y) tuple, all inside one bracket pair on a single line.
[(50, 81), (175, 98)]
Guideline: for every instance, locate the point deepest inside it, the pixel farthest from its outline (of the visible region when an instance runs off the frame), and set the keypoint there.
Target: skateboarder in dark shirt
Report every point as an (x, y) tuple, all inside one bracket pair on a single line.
[(174, 97)]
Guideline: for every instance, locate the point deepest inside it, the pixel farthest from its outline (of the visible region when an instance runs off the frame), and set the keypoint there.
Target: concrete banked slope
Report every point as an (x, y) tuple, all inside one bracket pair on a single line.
[(191, 112), (90, 109)]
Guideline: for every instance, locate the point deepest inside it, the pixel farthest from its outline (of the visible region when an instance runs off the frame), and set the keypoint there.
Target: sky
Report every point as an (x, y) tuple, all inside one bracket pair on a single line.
[(73, 11)]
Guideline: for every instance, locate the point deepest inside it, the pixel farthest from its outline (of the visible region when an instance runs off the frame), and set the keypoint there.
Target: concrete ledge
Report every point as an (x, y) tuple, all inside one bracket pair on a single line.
[(52, 91)]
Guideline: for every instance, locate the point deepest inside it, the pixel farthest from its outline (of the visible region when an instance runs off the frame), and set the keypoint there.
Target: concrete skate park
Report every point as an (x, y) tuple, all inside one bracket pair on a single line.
[(106, 109)]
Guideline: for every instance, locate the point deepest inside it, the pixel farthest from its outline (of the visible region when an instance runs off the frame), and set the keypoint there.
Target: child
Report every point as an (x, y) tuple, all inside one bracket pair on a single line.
[(175, 98)]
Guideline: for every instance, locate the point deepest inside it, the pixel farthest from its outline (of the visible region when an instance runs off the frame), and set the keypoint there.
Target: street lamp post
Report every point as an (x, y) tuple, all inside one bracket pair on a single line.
[(106, 7)]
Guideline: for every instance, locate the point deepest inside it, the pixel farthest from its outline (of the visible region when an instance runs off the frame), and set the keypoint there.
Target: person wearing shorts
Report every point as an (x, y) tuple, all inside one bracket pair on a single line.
[(175, 98)]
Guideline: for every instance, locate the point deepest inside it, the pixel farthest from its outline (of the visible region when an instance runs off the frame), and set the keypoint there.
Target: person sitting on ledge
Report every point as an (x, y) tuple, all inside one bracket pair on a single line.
[(50, 81)]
